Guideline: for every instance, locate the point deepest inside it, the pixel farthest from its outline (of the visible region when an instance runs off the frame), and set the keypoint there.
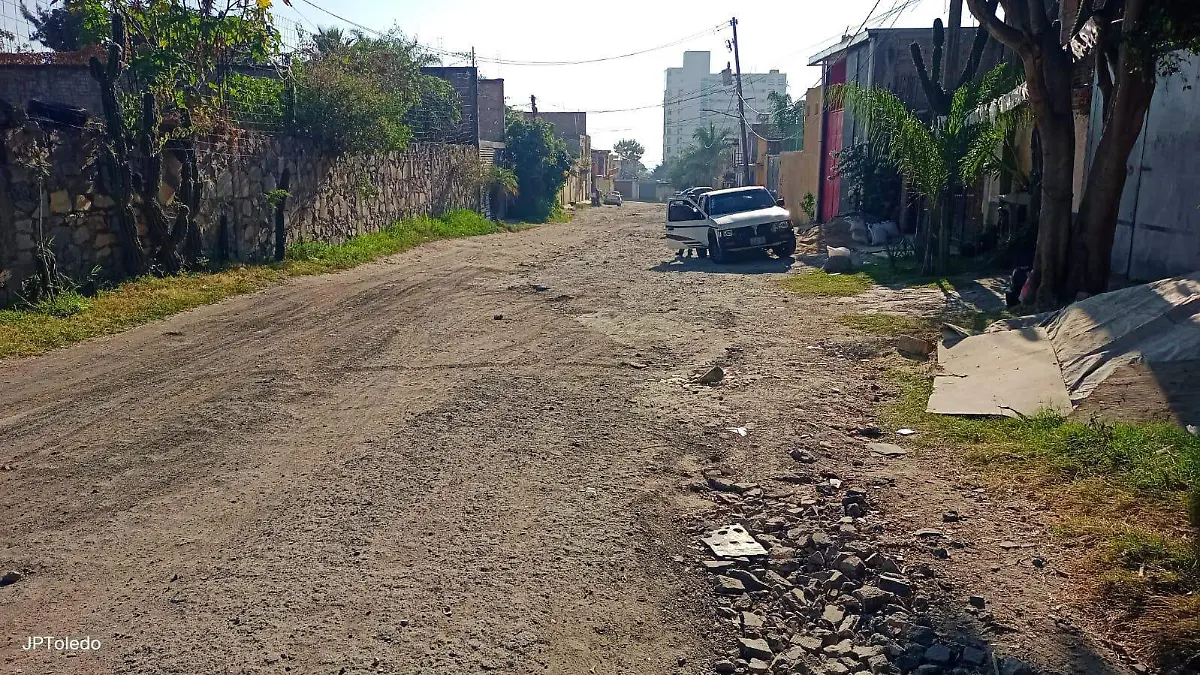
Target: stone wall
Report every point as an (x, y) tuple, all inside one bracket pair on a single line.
[(332, 197)]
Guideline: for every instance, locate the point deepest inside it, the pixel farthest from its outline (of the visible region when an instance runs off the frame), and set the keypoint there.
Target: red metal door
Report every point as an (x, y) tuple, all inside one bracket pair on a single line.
[(831, 191)]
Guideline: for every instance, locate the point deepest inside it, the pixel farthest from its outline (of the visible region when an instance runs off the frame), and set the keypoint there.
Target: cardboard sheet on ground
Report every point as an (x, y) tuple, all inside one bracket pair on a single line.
[(1002, 373)]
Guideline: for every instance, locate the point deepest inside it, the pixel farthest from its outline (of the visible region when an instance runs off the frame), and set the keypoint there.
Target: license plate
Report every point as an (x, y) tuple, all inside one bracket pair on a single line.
[(755, 241)]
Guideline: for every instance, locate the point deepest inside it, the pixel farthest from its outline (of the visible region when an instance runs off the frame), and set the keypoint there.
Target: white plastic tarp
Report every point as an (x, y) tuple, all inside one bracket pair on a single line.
[(1151, 323), (1055, 360)]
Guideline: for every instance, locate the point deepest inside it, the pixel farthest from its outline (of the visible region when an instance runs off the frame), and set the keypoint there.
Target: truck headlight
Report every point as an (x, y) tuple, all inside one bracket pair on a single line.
[(785, 225)]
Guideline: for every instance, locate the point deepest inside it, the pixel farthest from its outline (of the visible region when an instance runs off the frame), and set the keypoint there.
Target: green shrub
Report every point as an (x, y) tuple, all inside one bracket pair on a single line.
[(540, 161)]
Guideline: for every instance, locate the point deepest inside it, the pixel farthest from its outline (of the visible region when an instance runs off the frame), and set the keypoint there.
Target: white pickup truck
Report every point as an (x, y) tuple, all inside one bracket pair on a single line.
[(727, 221)]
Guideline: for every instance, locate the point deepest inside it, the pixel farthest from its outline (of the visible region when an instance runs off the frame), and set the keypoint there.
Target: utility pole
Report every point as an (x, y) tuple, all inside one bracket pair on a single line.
[(737, 63), (533, 104), (950, 63)]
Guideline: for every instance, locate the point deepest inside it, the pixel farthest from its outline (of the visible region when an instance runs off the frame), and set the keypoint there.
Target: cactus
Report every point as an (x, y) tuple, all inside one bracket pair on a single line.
[(114, 157), (931, 79)]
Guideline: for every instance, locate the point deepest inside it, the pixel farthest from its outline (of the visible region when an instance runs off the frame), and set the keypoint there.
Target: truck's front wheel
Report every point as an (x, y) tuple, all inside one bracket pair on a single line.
[(715, 251), (786, 249)]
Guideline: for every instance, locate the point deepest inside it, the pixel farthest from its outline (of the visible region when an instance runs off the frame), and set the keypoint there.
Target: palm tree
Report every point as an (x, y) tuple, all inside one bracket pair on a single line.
[(332, 38), (712, 148), (939, 157)]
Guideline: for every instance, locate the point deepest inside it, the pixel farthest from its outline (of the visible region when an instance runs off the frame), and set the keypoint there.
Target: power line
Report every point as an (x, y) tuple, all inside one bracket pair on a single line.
[(513, 62), (508, 62)]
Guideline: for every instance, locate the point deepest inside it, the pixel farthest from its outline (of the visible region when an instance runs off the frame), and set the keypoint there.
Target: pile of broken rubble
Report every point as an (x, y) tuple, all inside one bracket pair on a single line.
[(802, 576)]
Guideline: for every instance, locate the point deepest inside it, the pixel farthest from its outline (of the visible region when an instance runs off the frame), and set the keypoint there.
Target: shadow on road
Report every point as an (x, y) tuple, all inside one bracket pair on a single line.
[(744, 264)]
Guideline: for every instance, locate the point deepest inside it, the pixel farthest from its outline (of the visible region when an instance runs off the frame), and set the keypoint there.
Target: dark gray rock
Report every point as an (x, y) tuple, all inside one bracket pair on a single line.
[(895, 584), (873, 598), (729, 586), (725, 667), (977, 601), (973, 657), (10, 578), (922, 635), (749, 580), (802, 455), (755, 648), (852, 566), (821, 540), (716, 565), (855, 510), (713, 376), (1011, 666), (939, 654)]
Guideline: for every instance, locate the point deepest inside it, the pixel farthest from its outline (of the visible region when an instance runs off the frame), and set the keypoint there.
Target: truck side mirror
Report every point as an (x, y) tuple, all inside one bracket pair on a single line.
[(779, 202)]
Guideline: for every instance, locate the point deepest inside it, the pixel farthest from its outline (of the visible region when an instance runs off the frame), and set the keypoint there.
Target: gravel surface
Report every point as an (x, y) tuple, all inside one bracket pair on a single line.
[(484, 455)]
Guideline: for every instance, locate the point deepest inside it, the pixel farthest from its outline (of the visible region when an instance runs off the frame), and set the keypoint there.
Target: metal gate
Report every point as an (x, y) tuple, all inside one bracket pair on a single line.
[(1158, 226)]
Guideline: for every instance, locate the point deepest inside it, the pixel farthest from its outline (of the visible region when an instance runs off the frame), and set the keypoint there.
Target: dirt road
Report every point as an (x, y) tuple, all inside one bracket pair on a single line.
[(462, 459)]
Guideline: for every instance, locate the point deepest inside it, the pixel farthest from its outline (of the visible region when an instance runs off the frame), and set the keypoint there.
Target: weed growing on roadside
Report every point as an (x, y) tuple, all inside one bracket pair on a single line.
[(818, 283), (69, 318), (1119, 489)]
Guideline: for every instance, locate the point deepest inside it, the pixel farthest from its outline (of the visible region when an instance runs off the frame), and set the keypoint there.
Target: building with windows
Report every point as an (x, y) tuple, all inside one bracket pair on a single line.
[(694, 97)]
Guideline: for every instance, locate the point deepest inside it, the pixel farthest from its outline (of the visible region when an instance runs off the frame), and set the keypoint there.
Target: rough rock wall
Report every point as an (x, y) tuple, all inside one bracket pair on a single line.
[(50, 179)]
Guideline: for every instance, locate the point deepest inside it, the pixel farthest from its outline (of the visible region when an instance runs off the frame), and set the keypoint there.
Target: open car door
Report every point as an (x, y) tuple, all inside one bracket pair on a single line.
[(686, 225)]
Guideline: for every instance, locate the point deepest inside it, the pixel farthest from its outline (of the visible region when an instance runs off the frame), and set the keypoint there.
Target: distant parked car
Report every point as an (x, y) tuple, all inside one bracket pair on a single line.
[(613, 198), (693, 193)]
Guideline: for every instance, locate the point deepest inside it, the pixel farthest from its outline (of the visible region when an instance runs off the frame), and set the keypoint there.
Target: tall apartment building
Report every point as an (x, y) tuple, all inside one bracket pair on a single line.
[(692, 92)]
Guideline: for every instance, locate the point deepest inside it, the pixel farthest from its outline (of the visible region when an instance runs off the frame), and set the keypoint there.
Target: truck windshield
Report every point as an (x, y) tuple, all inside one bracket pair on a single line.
[(737, 202)]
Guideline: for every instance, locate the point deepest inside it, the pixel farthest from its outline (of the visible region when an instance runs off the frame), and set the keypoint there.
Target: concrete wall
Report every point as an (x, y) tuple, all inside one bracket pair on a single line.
[(491, 110), (800, 171), (1158, 226), (465, 80), (71, 84), (333, 197)]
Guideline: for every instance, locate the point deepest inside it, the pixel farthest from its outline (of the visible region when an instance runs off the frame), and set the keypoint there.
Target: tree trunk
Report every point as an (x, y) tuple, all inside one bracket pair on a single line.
[(932, 216), (1097, 223), (946, 224), (1048, 76)]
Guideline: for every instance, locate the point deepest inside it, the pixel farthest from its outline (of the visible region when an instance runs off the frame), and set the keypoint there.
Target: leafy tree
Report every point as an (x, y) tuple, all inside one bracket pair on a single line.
[(661, 172), (75, 25), (788, 116), (629, 150), (932, 157), (366, 94), (540, 161), (333, 38), (1137, 41), (870, 178)]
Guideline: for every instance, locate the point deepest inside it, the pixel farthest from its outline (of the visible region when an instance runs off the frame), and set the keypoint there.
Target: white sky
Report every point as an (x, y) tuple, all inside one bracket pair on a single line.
[(773, 34)]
